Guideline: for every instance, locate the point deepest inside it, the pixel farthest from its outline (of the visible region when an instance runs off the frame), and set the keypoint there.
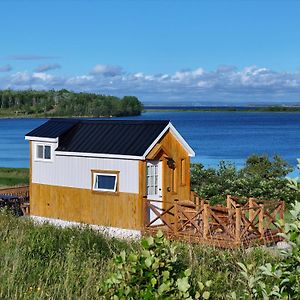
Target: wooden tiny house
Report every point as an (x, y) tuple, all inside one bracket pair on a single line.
[(100, 171)]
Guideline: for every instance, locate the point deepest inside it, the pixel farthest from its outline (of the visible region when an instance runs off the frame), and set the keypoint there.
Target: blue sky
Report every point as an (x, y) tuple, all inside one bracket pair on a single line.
[(200, 52)]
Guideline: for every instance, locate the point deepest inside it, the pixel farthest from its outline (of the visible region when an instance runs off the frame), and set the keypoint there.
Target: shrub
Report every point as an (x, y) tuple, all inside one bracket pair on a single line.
[(261, 178), (280, 280), (152, 273)]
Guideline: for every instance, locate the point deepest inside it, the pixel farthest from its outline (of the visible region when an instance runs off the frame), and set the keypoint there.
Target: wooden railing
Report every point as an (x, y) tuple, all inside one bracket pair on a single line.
[(23, 193), (231, 226)]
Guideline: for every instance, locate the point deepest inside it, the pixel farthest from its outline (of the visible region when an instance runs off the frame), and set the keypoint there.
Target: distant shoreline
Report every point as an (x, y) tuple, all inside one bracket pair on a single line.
[(149, 108), (248, 109)]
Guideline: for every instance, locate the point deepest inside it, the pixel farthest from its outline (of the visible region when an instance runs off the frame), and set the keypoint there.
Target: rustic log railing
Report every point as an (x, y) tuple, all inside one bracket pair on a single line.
[(22, 192), (253, 222)]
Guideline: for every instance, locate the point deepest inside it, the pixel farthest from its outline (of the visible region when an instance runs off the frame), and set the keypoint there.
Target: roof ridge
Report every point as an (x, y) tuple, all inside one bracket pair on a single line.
[(124, 121), (78, 120)]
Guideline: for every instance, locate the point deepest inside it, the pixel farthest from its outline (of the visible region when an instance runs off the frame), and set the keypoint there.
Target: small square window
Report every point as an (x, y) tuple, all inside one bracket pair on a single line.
[(43, 152), (105, 182), (40, 151), (47, 152)]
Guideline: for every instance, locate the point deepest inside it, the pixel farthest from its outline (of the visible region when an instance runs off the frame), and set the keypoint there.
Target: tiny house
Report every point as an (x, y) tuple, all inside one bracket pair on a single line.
[(98, 171)]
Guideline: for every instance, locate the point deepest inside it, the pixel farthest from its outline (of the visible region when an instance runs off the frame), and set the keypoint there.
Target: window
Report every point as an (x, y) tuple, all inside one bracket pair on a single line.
[(152, 178), (43, 152), (174, 180), (183, 171), (105, 182)]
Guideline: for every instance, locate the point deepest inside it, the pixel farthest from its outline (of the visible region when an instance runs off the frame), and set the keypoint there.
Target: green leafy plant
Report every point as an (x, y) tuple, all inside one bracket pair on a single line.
[(254, 285), (152, 273), (289, 269), (294, 183), (261, 177), (280, 280)]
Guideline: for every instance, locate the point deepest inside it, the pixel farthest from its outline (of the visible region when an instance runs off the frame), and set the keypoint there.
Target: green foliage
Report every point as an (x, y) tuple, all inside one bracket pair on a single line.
[(46, 262), (294, 183), (282, 279), (289, 269), (13, 177), (254, 284), (261, 178), (66, 103), (152, 273)]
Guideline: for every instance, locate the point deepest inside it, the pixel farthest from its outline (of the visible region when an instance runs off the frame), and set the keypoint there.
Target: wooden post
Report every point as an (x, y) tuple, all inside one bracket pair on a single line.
[(228, 201), (251, 210), (192, 196), (238, 223), (261, 221), (197, 203), (176, 217), (145, 212), (202, 203), (229, 207), (205, 216)]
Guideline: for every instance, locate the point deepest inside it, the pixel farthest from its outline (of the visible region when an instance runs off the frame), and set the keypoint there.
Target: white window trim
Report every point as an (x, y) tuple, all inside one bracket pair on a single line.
[(36, 158), (114, 190)]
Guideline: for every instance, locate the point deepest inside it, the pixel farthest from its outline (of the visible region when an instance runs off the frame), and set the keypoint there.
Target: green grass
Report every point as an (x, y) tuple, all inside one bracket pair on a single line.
[(46, 262), (13, 177)]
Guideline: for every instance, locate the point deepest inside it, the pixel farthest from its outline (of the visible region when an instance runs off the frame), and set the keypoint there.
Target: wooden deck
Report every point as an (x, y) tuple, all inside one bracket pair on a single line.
[(252, 223), (23, 193)]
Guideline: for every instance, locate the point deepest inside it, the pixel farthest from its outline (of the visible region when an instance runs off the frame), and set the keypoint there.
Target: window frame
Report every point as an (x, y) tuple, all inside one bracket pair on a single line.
[(111, 173), (174, 181), (183, 172), (36, 158)]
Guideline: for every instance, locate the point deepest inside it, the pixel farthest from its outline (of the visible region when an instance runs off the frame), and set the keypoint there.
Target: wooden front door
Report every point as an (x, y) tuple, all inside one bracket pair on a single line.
[(154, 188)]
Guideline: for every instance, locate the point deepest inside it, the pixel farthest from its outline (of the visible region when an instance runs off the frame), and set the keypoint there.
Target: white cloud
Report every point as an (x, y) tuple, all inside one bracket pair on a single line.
[(47, 67), (225, 84), (106, 70), (43, 76), (188, 74)]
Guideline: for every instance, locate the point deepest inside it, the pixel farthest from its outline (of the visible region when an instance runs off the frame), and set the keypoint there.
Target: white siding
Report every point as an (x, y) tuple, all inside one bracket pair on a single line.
[(71, 171)]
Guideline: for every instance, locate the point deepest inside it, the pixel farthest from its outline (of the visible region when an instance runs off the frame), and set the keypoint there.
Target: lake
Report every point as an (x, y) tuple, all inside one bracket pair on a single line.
[(214, 136)]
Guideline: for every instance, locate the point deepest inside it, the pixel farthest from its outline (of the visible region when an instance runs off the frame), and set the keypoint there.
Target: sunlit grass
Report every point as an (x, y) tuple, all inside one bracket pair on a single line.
[(46, 262), (13, 176)]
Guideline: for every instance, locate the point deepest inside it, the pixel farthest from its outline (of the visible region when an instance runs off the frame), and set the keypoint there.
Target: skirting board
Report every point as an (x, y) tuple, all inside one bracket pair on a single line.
[(109, 231)]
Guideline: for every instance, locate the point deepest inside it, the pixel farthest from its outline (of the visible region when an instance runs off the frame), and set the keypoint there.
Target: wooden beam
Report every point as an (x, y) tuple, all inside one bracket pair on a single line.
[(261, 221), (205, 216), (238, 222)]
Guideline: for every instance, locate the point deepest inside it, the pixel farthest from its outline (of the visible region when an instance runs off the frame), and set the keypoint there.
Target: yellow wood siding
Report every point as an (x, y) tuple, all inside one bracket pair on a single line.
[(168, 146), (123, 210)]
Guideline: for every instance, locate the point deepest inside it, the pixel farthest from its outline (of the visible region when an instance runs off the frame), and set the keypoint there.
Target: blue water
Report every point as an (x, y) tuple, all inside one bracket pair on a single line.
[(214, 136)]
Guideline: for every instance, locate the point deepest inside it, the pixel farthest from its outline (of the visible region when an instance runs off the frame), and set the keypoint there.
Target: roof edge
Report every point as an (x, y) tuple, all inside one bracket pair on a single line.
[(177, 135), (180, 138), (41, 139), (100, 155)]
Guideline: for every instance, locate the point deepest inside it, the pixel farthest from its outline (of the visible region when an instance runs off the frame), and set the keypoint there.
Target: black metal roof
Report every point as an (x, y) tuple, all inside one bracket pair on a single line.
[(123, 137), (53, 128)]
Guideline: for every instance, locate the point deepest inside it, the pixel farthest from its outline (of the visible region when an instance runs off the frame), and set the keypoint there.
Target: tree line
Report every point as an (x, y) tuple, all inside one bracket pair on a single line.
[(66, 103)]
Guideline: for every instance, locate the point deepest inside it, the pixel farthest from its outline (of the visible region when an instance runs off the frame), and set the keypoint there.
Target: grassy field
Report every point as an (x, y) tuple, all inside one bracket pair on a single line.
[(45, 262), (13, 177)]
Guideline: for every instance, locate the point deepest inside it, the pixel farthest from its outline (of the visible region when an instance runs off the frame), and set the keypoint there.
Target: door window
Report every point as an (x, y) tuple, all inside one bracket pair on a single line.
[(152, 178)]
